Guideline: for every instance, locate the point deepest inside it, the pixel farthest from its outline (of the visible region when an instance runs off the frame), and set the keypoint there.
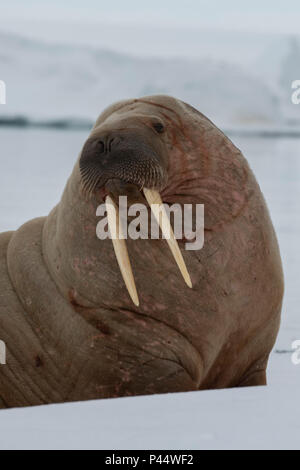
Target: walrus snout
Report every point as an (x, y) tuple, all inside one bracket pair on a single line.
[(129, 158)]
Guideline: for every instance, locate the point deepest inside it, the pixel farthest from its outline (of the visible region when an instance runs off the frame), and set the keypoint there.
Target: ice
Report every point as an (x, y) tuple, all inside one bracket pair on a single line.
[(51, 81), (258, 418)]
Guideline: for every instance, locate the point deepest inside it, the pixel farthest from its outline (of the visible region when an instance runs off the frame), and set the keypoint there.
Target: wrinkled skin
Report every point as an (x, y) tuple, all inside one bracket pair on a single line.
[(71, 330)]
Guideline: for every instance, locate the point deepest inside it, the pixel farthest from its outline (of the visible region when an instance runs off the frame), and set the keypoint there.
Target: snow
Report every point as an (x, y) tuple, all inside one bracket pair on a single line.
[(236, 79), (259, 418), (51, 81), (279, 67)]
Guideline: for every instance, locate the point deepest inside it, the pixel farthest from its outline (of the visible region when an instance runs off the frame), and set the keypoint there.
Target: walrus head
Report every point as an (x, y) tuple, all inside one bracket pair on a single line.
[(153, 149), (130, 147)]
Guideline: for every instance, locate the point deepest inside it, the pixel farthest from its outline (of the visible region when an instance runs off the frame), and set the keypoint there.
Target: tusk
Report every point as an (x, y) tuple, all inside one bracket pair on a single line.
[(159, 211), (120, 248)]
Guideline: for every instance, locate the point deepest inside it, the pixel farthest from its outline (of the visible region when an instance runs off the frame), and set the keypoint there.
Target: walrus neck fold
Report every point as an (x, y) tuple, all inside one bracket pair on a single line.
[(73, 254)]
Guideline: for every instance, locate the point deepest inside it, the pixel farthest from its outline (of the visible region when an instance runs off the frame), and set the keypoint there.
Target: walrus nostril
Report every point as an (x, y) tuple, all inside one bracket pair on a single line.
[(104, 146), (100, 146), (109, 144)]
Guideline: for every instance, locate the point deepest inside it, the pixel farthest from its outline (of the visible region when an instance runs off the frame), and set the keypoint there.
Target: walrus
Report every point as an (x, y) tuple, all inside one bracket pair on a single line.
[(74, 330)]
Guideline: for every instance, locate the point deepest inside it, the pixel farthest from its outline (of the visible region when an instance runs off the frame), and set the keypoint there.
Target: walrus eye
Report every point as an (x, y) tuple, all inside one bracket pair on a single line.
[(159, 127)]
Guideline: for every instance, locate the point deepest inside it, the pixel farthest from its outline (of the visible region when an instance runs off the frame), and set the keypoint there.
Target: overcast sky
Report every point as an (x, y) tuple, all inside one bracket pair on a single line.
[(255, 15)]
